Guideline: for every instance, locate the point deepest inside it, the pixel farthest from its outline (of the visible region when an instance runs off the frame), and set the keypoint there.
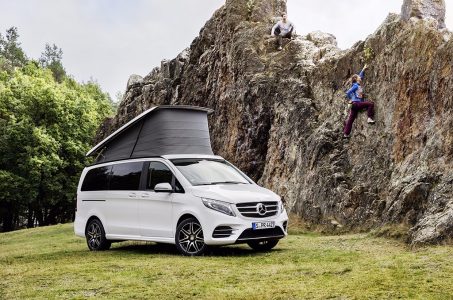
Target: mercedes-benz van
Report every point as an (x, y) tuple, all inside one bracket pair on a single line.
[(189, 200)]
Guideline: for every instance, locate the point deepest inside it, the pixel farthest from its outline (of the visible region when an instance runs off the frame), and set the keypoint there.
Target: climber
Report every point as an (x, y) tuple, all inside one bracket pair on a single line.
[(357, 102), (283, 29)]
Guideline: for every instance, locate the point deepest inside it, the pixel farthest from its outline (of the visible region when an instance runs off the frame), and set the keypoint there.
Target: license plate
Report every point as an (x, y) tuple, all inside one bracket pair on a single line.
[(263, 225)]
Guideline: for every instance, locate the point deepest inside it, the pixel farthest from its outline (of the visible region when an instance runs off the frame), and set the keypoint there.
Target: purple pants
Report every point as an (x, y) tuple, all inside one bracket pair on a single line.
[(356, 108)]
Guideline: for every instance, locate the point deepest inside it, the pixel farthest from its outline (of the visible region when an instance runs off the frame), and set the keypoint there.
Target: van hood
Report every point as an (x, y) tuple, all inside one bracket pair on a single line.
[(235, 193)]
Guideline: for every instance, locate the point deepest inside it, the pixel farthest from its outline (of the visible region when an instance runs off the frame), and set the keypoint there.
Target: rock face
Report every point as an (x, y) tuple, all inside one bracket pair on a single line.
[(423, 9), (279, 116)]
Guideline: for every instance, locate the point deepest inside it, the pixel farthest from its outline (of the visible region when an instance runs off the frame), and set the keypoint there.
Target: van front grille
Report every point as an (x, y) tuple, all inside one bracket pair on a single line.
[(258, 209)]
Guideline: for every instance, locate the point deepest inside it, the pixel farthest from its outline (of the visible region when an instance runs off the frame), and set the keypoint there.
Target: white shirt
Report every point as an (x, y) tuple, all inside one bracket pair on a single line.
[(284, 27)]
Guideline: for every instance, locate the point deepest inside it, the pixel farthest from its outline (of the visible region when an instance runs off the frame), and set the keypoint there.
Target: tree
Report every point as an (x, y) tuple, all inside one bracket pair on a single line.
[(51, 58), (11, 54), (46, 128)]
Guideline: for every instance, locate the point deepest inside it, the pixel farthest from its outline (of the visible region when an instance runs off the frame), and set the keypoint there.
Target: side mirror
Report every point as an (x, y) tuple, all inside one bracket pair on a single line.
[(163, 187)]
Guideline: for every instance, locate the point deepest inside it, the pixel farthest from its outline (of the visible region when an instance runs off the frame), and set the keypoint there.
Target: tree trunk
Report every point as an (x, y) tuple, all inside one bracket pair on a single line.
[(52, 215), (30, 218), (8, 220), (39, 216)]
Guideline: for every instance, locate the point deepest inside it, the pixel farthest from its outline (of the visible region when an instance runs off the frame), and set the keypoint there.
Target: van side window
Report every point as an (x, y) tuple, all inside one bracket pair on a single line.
[(96, 179), (159, 173), (126, 176)]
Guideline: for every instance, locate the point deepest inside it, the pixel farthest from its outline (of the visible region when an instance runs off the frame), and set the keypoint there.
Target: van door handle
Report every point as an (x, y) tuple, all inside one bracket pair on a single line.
[(145, 195), (132, 195)]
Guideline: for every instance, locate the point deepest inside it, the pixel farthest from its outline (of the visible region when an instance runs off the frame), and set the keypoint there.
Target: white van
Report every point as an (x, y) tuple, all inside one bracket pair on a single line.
[(190, 200)]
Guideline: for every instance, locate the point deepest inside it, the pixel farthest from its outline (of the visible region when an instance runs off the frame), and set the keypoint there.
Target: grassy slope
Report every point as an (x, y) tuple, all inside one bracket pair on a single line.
[(51, 263)]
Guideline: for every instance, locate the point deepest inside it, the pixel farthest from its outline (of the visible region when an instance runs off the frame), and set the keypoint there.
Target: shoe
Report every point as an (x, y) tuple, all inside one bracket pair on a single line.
[(370, 121), (346, 136), (280, 48)]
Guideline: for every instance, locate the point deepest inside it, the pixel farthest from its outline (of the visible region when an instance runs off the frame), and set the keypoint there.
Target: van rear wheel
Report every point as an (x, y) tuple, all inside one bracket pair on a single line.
[(95, 236), (189, 238), (264, 245)]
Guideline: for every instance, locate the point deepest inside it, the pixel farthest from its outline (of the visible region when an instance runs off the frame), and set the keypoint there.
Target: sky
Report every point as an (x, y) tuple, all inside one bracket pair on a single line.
[(108, 40)]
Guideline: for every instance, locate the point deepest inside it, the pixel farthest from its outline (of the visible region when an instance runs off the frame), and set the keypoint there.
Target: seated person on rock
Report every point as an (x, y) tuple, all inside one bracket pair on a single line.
[(357, 102), (283, 29)]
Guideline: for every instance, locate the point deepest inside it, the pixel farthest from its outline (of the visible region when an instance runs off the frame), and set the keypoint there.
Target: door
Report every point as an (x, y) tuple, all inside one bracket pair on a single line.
[(155, 209), (121, 210)]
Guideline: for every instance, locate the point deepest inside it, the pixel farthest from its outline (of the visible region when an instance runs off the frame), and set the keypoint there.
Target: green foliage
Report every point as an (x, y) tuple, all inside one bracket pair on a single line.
[(368, 54), (47, 123), (11, 54), (46, 127), (51, 58)]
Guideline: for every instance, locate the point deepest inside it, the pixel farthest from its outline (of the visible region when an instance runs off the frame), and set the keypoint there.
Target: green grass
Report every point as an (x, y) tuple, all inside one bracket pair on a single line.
[(51, 263)]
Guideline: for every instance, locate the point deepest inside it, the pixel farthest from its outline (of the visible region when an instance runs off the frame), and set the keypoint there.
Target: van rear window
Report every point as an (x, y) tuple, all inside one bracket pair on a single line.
[(96, 179)]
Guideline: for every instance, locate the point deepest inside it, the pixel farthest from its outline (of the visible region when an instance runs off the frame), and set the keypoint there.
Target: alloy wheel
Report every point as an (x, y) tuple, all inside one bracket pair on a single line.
[(94, 235), (190, 238)]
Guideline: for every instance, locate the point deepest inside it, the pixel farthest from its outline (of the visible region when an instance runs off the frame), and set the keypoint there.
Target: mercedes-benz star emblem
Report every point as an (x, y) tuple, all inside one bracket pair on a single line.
[(261, 209)]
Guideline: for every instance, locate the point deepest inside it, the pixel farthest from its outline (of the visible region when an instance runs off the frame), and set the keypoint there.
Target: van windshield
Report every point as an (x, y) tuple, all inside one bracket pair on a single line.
[(209, 172)]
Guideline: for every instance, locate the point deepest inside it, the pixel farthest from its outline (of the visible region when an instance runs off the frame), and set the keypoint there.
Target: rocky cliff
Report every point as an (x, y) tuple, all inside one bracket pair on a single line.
[(279, 115)]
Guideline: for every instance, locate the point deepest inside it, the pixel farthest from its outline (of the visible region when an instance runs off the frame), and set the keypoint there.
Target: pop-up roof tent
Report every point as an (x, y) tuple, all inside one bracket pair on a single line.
[(158, 131)]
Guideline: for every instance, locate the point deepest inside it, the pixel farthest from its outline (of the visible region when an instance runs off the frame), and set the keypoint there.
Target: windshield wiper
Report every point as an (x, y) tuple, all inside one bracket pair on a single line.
[(228, 182), (222, 182)]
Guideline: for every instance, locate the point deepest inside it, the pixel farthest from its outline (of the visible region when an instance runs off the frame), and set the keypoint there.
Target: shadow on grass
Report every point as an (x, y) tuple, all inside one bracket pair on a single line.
[(168, 249)]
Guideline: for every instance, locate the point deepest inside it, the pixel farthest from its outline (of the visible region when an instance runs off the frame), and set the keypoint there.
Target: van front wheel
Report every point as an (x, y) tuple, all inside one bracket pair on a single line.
[(95, 236), (264, 245), (189, 238)]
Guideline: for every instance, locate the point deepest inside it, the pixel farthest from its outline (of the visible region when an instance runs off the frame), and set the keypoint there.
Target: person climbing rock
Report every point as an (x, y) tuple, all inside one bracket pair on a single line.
[(357, 102), (283, 29)]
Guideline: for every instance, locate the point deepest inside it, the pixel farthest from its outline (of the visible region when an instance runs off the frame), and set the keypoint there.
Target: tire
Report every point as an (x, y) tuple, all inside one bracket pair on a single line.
[(95, 236), (263, 245), (189, 238)]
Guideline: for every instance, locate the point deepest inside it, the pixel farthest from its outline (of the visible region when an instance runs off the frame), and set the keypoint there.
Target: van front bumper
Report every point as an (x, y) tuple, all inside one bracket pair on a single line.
[(227, 230)]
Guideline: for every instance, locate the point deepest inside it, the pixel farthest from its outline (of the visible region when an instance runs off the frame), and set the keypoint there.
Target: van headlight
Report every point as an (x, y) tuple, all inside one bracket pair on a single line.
[(220, 206)]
